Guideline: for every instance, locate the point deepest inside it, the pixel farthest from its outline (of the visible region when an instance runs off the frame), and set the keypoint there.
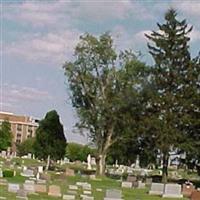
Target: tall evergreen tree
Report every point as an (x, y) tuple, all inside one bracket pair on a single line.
[(50, 141), (171, 76)]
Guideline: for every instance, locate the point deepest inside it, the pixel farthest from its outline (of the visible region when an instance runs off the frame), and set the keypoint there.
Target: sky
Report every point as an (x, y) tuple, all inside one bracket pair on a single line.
[(37, 37)]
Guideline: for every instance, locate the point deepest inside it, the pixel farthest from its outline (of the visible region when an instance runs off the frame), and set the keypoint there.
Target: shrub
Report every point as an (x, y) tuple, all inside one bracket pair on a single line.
[(8, 173)]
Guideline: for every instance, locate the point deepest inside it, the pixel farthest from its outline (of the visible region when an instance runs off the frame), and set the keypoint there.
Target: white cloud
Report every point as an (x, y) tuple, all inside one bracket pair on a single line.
[(53, 47), (15, 94), (191, 8)]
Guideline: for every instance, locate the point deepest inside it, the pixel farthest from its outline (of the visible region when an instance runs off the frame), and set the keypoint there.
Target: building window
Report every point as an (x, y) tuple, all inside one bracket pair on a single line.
[(19, 135), (18, 141), (19, 127)]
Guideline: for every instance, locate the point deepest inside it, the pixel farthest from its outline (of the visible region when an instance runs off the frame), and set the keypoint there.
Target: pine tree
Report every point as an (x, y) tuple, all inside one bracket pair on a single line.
[(171, 75)]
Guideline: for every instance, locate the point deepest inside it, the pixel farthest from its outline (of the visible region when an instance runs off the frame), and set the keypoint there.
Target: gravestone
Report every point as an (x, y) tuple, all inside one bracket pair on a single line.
[(69, 172), (89, 167), (195, 195), (126, 184), (74, 192), (87, 192), (113, 194), (69, 197), (3, 181), (85, 197), (141, 185), (54, 190), (40, 169), (12, 187), (172, 191), (40, 188), (21, 194), (29, 186), (86, 186), (157, 189), (187, 190), (27, 173), (148, 182), (73, 187)]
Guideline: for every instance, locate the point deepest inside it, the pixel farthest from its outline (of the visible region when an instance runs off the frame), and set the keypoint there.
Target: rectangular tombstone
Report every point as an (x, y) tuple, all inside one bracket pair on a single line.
[(131, 179), (12, 187), (172, 191), (113, 193), (69, 197), (29, 187), (86, 186), (21, 194), (40, 188), (69, 172), (3, 181), (85, 197), (73, 187), (87, 192), (54, 191), (126, 184), (157, 189), (141, 185)]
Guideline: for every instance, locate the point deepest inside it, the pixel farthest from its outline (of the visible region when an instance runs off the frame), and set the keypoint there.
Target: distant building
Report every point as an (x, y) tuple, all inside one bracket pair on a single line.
[(22, 127)]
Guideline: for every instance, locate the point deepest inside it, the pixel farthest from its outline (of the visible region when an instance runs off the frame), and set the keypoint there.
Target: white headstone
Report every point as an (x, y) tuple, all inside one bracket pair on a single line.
[(172, 191), (12, 187), (157, 189), (40, 169), (89, 162)]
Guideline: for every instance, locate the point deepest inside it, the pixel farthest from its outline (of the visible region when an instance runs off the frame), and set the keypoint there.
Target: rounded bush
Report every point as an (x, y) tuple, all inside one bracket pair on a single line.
[(8, 173)]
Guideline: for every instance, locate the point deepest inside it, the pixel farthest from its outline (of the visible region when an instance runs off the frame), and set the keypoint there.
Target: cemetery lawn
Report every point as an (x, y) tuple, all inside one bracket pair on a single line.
[(104, 183)]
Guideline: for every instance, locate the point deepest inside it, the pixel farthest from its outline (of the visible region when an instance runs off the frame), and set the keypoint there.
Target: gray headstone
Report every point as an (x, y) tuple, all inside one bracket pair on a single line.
[(113, 193), (127, 184), (69, 197), (21, 194), (157, 189), (73, 187), (12, 187), (172, 191)]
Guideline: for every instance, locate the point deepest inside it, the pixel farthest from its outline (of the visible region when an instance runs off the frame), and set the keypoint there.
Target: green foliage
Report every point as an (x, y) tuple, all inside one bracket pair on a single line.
[(26, 147), (5, 135), (8, 173), (174, 87), (104, 87), (50, 139), (79, 152)]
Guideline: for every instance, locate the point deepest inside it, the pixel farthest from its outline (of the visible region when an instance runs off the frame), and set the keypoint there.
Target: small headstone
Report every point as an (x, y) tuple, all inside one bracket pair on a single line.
[(127, 184), (73, 187), (27, 173), (29, 186), (12, 187), (40, 188), (141, 185), (99, 190), (54, 190), (21, 194), (148, 182), (89, 167), (1, 173), (74, 192), (85, 197), (114, 194), (3, 181), (87, 192), (69, 172), (195, 195), (157, 189), (40, 169), (69, 197), (172, 191), (86, 186)]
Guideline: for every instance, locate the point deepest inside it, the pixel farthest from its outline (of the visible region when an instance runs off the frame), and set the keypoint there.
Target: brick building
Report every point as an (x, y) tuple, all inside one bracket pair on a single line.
[(22, 127)]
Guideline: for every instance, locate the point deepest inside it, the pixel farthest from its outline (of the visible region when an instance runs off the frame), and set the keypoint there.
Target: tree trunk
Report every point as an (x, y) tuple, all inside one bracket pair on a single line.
[(101, 165), (165, 167), (48, 163)]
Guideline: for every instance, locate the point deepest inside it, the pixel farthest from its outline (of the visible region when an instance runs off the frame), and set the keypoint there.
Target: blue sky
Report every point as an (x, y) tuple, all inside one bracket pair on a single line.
[(37, 37)]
